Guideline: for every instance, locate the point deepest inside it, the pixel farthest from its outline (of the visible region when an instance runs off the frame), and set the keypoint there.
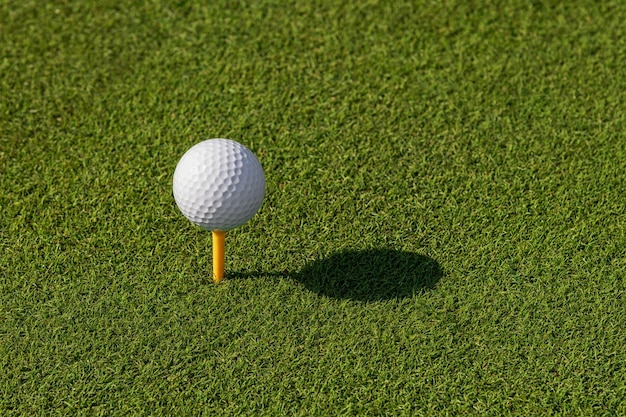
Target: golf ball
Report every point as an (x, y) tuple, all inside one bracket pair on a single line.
[(219, 184)]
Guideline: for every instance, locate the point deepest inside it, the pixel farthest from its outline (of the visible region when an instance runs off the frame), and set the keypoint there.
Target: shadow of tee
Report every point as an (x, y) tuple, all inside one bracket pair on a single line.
[(371, 275)]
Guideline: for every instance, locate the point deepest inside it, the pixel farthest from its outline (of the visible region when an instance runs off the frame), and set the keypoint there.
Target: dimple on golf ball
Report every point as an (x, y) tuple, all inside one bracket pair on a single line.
[(219, 184)]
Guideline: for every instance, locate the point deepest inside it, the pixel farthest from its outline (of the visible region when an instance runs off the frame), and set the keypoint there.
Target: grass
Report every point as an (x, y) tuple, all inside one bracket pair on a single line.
[(443, 232)]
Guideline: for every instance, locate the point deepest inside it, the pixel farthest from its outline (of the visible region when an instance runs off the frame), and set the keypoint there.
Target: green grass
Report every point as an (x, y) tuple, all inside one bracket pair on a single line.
[(444, 230)]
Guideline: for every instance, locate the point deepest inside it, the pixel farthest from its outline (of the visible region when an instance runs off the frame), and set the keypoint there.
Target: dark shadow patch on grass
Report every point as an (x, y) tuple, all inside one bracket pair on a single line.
[(363, 275), (371, 275)]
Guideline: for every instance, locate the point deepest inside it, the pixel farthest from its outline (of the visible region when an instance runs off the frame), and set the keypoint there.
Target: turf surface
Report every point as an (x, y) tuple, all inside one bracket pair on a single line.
[(444, 230)]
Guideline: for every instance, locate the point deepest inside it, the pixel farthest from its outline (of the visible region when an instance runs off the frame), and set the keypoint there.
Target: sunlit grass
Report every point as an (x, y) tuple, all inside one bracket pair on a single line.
[(443, 231)]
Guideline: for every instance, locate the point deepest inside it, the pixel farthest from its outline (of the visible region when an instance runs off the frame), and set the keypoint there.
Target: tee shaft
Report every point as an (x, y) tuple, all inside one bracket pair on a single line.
[(218, 255)]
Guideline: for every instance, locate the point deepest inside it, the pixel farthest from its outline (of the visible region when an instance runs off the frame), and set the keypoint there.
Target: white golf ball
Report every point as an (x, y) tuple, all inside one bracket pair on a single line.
[(219, 184)]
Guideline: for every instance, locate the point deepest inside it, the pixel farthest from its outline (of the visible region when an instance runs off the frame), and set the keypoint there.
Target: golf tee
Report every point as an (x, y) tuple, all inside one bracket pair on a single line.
[(218, 255)]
